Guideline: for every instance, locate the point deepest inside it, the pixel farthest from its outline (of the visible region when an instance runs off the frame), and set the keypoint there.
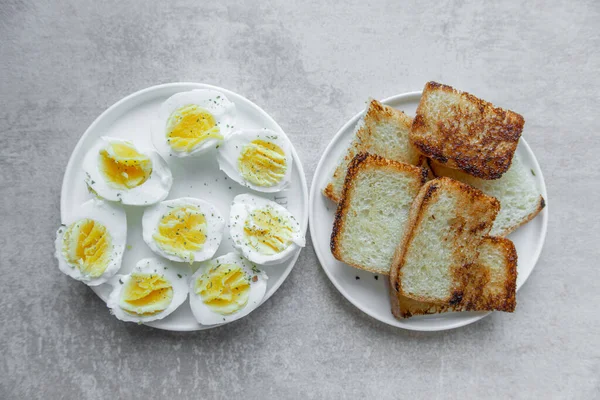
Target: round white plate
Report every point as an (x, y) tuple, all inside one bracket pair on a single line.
[(371, 295), (132, 118)]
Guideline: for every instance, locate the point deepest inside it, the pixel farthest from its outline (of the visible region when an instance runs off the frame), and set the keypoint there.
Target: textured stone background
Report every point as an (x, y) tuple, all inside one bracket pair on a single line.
[(311, 66)]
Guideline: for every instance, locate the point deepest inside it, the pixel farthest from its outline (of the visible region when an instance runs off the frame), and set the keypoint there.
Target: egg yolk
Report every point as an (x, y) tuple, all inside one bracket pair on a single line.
[(87, 246), (181, 232), (224, 289), (146, 294), (189, 126), (267, 231), (262, 163), (123, 166)]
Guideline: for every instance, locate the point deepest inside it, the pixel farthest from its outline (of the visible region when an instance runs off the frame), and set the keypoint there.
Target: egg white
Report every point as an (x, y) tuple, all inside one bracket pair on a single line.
[(241, 208), (213, 101), (214, 222), (153, 190), (114, 220), (177, 275), (204, 314), (230, 149)]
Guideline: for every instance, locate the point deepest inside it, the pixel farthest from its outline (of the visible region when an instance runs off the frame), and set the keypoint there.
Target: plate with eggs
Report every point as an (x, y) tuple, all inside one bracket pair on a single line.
[(184, 206)]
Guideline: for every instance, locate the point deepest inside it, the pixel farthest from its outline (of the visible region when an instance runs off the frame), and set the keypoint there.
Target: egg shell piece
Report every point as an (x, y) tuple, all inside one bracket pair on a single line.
[(242, 206), (229, 153), (213, 101), (156, 188), (114, 220), (177, 275), (204, 314), (214, 221)]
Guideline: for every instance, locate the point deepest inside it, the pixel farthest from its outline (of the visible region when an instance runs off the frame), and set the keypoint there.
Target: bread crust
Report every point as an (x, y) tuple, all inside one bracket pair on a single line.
[(451, 137), (330, 193), (486, 207), (329, 190), (361, 162)]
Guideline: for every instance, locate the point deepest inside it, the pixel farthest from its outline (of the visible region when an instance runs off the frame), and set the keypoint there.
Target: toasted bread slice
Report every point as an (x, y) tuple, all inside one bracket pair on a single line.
[(448, 220), (383, 131), (520, 200), (491, 283), (373, 211), (464, 132)]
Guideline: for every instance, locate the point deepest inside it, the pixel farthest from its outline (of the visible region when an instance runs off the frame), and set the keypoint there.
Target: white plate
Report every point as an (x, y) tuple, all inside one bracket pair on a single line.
[(370, 295), (132, 118)]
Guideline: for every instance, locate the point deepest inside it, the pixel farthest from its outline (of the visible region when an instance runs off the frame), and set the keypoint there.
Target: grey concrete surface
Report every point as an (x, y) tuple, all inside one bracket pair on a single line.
[(311, 65)]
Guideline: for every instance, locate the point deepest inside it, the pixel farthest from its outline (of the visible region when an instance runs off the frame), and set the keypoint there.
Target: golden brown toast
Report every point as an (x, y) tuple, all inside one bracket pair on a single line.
[(463, 132), (383, 131), (372, 213), (490, 283), (447, 222)]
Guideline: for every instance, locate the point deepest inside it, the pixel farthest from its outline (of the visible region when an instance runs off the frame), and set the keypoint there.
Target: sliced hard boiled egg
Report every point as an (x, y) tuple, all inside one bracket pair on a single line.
[(90, 244), (225, 289), (185, 229), (153, 290), (265, 232), (258, 159), (191, 123), (117, 170)]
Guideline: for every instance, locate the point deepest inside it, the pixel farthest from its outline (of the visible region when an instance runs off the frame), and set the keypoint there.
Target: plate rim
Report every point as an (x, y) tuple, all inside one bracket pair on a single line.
[(183, 86), (315, 191)]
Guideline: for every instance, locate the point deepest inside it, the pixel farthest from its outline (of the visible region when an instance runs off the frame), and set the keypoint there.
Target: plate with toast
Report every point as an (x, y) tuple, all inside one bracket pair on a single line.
[(428, 210)]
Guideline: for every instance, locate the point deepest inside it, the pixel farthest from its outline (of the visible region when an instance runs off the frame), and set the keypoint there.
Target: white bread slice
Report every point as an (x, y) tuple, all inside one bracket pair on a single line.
[(491, 283), (382, 130), (448, 221), (373, 211), (464, 132), (520, 201)]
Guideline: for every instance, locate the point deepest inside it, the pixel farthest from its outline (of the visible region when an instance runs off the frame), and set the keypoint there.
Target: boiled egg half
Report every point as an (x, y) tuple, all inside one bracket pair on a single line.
[(117, 170), (89, 246), (258, 159), (185, 229), (225, 289), (264, 231), (191, 123), (153, 290)]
